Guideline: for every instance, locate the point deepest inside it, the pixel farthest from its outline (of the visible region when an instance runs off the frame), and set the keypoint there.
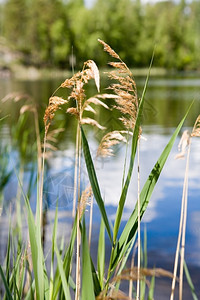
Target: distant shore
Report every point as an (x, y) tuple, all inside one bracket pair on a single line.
[(21, 72)]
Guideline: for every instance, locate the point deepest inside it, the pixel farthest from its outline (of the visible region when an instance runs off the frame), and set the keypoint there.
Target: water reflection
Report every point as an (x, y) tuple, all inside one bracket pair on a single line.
[(167, 100)]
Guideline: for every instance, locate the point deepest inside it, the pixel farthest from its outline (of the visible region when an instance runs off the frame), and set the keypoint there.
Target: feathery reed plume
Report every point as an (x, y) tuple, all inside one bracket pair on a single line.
[(125, 89), (108, 49), (113, 295), (16, 96), (109, 140), (183, 144), (29, 106), (54, 104), (132, 274), (196, 128), (127, 103), (76, 83), (143, 272), (86, 195)]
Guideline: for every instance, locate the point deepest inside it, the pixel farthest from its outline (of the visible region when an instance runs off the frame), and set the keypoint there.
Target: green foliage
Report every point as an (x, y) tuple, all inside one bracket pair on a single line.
[(45, 31)]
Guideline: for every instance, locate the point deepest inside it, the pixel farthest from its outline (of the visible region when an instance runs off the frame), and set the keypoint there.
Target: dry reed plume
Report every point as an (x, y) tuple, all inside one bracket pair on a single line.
[(85, 200), (109, 140), (54, 104), (132, 274), (127, 103), (125, 89), (76, 83), (196, 128)]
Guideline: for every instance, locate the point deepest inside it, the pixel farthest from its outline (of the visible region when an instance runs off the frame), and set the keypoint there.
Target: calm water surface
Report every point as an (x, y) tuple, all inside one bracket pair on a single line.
[(167, 100)]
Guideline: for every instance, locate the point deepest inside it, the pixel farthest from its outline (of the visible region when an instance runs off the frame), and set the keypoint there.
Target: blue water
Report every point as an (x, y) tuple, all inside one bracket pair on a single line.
[(166, 102)]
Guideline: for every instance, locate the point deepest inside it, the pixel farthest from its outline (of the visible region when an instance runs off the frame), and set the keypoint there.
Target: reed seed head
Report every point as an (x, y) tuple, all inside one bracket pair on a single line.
[(196, 128), (54, 104), (92, 122), (183, 144), (109, 140), (108, 49), (125, 89), (86, 195)]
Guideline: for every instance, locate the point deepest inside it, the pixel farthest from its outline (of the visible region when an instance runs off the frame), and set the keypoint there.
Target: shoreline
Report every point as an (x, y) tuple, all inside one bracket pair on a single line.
[(20, 72)]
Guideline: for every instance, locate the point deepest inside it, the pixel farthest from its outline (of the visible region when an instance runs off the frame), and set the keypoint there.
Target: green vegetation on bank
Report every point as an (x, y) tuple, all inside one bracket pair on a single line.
[(49, 33)]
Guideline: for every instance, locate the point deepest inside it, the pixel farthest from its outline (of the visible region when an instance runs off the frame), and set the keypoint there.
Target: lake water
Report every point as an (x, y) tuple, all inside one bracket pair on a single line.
[(167, 99)]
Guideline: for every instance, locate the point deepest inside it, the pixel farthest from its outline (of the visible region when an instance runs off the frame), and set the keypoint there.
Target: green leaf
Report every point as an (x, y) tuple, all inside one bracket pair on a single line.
[(101, 254), (65, 284), (51, 287), (94, 182), (36, 246), (87, 280), (97, 286), (131, 226), (8, 293), (144, 265), (66, 262), (151, 289), (189, 280)]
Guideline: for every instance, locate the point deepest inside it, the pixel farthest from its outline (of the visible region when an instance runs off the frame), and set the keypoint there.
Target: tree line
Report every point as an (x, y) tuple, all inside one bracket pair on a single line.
[(51, 33)]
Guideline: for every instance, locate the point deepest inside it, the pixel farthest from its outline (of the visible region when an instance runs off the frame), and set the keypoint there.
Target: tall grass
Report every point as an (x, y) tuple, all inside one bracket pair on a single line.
[(89, 282)]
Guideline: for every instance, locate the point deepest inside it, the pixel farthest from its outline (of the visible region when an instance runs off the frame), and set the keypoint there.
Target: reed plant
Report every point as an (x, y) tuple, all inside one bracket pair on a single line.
[(184, 148), (92, 279)]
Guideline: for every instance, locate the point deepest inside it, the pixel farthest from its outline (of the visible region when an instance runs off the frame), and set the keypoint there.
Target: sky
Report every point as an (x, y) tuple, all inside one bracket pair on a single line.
[(89, 3)]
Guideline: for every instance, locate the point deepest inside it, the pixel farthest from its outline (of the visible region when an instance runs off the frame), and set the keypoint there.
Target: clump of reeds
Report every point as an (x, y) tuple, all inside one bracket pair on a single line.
[(127, 103), (184, 148), (93, 283)]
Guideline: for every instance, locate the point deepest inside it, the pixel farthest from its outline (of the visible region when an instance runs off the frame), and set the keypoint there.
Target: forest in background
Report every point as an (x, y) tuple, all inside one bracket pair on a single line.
[(47, 33)]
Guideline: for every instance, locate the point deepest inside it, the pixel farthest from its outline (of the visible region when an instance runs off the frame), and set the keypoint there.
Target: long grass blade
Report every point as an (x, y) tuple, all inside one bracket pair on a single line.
[(189, 280), (151, 289), (144, 265), (36, 246), (8, 256), (97, 286), (87, 280), (67, 260), (51, 286), (8, 293), (94, 182), (65, 284), (131, 226)]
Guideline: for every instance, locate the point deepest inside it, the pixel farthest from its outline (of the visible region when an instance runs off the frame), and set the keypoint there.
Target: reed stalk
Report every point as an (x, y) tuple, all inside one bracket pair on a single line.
[(182, 223), (75, 172), (139, 233), (38, 140), (90, 221), (131, 273), (78, 237), (182, 250), (41, 181)]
